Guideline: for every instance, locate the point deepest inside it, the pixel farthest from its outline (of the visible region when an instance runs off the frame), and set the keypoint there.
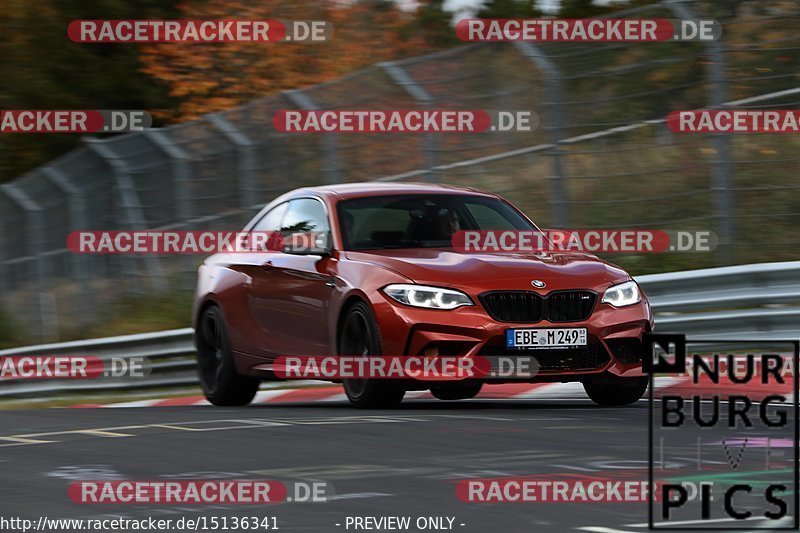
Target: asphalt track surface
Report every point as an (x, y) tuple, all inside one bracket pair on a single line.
[(403, 462)]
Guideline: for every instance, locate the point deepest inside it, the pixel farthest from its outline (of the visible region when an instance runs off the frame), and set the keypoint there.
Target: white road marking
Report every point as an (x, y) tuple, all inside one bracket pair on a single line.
[(81, 472), (219, 425), (337, 472), (579, 468), (599, 529), (101, 433), (21, 440), (227, 424), (357, 495)]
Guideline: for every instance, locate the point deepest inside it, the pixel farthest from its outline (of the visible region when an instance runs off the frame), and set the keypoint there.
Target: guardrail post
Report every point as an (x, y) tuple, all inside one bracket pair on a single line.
[(45, 302), (181, 173), (721, 168), (245, 158), (554, 90), (130, 206), (332, 169), (77, 216), (424, 98), (5, 269)]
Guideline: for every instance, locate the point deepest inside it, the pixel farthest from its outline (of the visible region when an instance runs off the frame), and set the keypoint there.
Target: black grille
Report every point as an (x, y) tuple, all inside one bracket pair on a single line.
[(569, 306), (529, 306), (514, 306), (591, 357)]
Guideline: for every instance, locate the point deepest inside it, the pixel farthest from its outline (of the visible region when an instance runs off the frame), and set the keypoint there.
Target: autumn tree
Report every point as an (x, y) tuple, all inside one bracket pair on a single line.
[(208, 77)]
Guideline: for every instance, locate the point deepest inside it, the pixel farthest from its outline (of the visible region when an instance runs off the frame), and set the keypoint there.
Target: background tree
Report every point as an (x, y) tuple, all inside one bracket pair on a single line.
[(575, 9), (207, 77), (509, 9), (43, 69)]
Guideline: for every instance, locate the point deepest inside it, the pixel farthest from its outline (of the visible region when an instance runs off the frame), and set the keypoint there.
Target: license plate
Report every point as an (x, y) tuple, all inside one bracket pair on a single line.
[(545, 338)]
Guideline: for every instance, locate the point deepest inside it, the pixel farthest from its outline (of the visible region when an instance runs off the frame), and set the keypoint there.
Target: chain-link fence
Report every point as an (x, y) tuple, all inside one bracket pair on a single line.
[(602, 157)]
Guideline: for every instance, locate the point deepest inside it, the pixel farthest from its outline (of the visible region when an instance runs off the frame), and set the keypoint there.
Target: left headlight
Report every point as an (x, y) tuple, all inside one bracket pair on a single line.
[(428, 297), (627, 293)]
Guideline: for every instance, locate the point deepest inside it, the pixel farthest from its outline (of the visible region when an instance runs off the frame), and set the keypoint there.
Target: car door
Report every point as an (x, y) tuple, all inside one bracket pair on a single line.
[(248, 315), (293, 297)]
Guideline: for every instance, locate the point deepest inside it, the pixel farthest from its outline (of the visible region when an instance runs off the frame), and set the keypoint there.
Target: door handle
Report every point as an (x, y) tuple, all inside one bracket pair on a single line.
[(266, 265), (331, 283)]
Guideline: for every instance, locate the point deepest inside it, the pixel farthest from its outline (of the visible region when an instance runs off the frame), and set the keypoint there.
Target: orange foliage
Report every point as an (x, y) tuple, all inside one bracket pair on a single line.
[(207, 77)]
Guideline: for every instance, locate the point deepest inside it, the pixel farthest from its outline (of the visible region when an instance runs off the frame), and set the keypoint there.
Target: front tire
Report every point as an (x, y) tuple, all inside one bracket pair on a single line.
[(358, 336), (611, 391), (222, 385)]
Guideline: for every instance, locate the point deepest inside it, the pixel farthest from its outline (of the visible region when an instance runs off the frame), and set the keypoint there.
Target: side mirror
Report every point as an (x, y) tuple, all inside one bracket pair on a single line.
[(308, 243)]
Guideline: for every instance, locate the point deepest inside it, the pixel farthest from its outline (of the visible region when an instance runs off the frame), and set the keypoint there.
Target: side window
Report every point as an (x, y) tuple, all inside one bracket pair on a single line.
[(488, 218), (305, 214), (272, 220)]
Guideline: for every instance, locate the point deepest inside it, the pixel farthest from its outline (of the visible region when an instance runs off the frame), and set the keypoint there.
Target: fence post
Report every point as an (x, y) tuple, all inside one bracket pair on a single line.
[(554, 90), (5, 268), (424, 98), (130, 206), (77, 217), (721, 167), (245, 159), (332, 170), (179, 161), (45, 301)]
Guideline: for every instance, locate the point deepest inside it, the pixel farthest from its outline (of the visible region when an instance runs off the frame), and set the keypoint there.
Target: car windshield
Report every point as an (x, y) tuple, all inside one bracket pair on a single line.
[(421, 220)]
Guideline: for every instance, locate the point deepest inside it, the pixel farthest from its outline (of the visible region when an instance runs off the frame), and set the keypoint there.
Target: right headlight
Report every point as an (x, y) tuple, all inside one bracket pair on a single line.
[(428, 297), (626, 293)]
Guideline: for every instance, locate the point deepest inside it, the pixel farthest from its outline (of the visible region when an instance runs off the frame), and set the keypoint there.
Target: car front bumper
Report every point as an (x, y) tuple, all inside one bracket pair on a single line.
[(614, 339)]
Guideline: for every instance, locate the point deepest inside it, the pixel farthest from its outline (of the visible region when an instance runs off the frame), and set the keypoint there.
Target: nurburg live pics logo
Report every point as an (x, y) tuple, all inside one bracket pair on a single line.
[(728, 441)]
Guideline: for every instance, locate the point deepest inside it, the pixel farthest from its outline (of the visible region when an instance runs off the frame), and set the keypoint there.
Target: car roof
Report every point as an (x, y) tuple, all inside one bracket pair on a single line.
[(376, 188)]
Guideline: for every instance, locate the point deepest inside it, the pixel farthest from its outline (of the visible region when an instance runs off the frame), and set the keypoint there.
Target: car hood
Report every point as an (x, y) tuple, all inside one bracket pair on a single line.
[(479, 272)]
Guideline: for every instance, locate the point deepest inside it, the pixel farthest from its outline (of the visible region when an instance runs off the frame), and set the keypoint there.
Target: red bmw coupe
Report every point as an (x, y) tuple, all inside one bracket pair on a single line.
[(388, 281)]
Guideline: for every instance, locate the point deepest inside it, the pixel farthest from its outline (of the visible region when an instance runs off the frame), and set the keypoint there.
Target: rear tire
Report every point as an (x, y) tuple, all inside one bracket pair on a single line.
[(222, 385), (358, 336), (463, 391), (613, 391)]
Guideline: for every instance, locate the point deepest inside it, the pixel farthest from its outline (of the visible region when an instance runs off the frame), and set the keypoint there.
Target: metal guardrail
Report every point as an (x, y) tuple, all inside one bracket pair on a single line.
[(171, 354), (757, 301)]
